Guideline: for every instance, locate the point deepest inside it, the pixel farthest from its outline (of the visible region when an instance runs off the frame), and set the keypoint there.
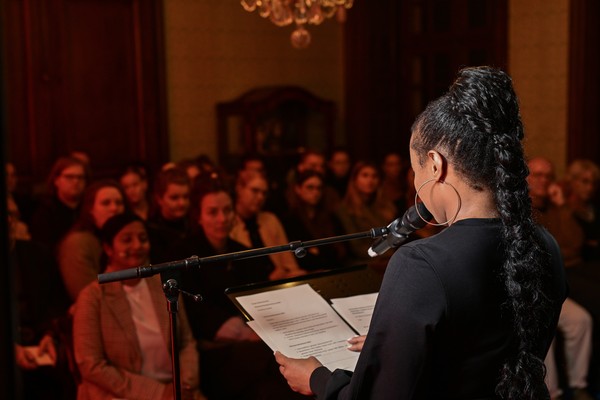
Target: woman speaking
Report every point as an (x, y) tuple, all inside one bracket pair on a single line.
[(470, 312)]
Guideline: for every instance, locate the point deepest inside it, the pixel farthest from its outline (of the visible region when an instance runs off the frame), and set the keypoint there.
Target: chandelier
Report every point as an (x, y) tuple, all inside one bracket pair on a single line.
[(301, 12)]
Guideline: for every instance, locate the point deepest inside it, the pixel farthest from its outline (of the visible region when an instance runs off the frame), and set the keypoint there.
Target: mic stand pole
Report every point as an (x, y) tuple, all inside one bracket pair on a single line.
[(172, 291), (172, 294)]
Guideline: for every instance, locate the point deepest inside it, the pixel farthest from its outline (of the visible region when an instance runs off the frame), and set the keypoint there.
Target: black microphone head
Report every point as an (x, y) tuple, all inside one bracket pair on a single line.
[(411, 221)]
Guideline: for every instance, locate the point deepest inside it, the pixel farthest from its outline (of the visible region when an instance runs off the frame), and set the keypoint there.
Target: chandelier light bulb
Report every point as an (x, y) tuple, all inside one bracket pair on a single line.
[(300, 38)]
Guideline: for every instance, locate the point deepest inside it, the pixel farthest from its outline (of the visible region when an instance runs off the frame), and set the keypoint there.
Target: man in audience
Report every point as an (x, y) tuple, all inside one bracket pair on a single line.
[(575, 323), (59, 210)]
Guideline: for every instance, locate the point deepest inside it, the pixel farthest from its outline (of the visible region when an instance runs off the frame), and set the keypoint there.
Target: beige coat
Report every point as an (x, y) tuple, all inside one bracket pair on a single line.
[(107, 349)]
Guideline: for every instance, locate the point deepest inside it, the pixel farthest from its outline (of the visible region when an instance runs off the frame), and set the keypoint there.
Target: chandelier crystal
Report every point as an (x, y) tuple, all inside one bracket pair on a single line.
[(300, 12)]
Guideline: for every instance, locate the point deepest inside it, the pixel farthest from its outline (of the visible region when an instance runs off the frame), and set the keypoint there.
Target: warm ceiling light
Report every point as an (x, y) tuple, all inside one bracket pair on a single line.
[(284, 12)]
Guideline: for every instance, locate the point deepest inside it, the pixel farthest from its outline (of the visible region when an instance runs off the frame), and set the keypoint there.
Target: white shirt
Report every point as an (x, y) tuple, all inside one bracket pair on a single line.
[(156, 361)]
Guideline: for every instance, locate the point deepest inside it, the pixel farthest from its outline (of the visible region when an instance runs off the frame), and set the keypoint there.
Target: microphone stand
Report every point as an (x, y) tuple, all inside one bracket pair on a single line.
[(172, 291), (172, 294)]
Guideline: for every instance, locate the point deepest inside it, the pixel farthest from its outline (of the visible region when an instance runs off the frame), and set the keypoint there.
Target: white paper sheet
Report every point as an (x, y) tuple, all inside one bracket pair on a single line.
[(299, 323), (356, 310)]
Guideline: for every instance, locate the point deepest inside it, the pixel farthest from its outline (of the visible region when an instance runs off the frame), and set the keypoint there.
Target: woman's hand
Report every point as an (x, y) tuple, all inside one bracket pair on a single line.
[(356, 343), (235, 329), (46, 346), (24, 358), (297, 372), (187, 393)]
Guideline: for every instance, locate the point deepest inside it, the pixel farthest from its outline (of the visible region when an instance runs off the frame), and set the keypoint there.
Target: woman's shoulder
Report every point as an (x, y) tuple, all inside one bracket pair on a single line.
[(267, 217), (461, 240), (75, 235), (79, 239), (234, 245), (93, 292)]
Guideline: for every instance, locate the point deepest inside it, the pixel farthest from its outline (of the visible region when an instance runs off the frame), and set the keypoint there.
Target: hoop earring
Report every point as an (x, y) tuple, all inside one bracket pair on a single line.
[(451, 220)]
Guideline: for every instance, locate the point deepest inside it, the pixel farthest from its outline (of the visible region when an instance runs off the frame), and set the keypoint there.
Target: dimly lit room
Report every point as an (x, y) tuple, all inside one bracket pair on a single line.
[(143, 132)]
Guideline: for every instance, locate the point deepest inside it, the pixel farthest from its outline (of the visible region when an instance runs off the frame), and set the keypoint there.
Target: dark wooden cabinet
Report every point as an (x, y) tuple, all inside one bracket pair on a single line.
[(276, 122), (84, 75)]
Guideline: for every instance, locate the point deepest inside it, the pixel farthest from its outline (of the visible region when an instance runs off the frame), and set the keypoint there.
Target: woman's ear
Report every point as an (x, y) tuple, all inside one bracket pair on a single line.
[(438, 165)]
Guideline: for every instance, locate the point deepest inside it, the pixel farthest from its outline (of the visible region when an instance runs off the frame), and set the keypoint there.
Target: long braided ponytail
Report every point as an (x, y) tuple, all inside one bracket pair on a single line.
[(478, 125)]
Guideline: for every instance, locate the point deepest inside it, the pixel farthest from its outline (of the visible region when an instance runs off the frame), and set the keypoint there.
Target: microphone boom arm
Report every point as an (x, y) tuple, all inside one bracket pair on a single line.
[(298, 247)]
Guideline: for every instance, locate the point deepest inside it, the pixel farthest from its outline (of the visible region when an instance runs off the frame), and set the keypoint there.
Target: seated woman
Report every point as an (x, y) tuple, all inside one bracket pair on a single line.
[(393, 182), (364, 208), (169, 220), (581, 186), (235, 363), (309, 219), (121, 329), (134, 180), (255, 228), (79, 253)]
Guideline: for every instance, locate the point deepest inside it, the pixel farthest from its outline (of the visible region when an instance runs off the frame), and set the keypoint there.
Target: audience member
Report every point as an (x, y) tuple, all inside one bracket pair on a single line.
[(134, 181), (557, 219), (255, 228), (40, 299), (21, 230), (79, 253), (310, 160), (393, 182), (235, 363), (169, 218), (59, 210), (581, 183), (121, 329), (364, 208), (308, 219), (338, 171), (23, 201), (574, 323)]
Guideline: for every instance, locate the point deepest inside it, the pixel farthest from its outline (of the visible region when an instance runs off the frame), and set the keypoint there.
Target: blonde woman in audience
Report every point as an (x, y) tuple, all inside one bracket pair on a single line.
[(79, 254), (255, 228), (121, 330)]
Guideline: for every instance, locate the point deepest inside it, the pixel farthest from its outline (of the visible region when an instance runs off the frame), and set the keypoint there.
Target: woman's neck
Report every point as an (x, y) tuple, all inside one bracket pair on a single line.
[(68, 201), (220, 245), (243, 212), (474, 204), (577, 203), (310, 211), (141, 209)]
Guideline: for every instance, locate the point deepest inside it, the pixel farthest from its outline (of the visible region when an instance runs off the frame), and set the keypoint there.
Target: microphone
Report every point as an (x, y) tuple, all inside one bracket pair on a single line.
[(148, 270), (400, 228)]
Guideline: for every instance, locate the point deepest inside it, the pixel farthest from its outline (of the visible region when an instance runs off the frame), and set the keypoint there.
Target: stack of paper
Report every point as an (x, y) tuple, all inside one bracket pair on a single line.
[(299, 323)]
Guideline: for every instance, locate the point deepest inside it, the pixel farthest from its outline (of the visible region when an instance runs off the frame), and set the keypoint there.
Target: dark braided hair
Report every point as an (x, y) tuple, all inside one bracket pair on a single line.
[(478, 127)]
